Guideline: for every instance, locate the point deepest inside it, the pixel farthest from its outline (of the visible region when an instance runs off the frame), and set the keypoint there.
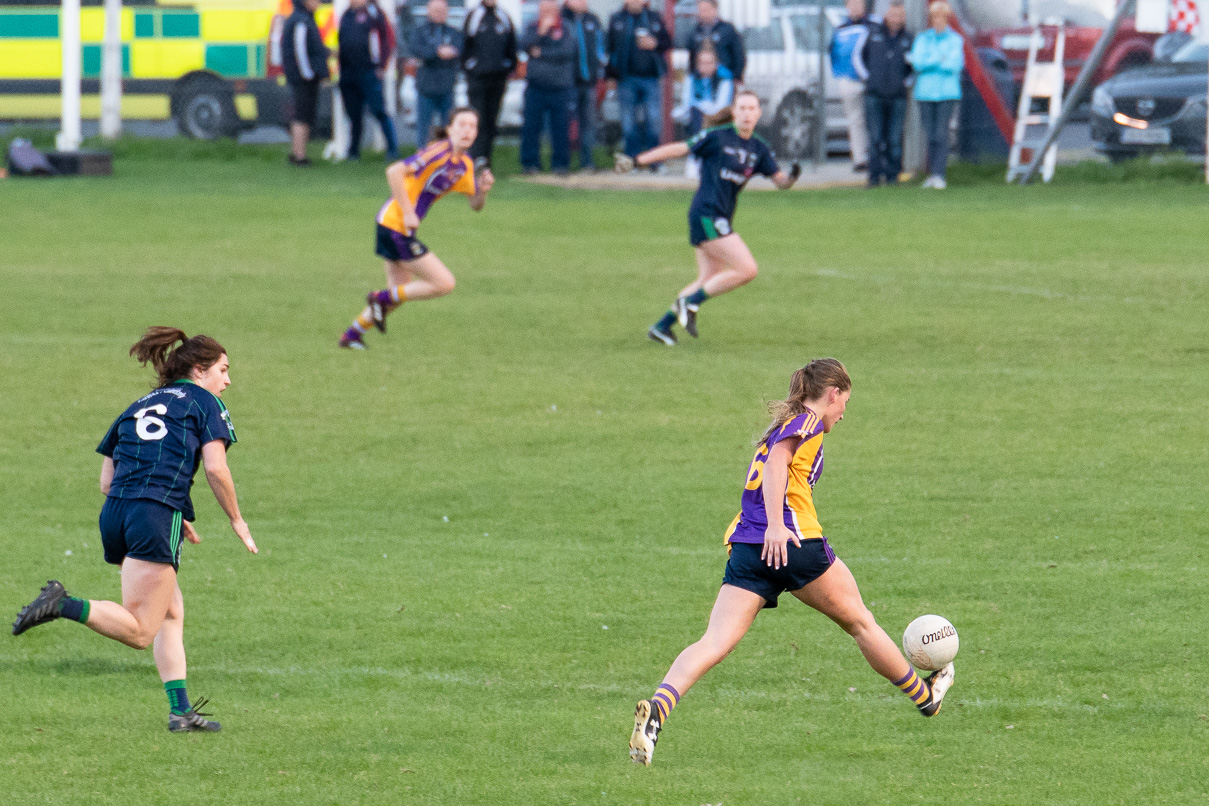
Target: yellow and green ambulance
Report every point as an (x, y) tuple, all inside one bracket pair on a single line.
[(204, 63)]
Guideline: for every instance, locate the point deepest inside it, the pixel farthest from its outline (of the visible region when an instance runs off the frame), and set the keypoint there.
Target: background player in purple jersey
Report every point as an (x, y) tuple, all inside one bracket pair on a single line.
[(730, 153), (777, 545), (151, 453), (412, 272)]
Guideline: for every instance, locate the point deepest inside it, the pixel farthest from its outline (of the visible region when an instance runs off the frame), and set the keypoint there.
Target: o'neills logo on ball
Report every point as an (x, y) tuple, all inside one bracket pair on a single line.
[(943, 632)]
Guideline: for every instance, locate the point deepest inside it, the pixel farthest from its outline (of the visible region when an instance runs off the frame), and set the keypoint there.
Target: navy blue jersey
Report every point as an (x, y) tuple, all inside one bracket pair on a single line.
[(156, 443), (727, 162)]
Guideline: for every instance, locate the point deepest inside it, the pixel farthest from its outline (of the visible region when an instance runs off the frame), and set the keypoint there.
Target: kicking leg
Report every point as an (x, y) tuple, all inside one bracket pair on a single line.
[(734, 611), (836, 595)]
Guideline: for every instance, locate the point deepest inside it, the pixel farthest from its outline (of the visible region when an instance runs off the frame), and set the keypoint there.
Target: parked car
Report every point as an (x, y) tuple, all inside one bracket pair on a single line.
[(1158, 107), (1129, 48)]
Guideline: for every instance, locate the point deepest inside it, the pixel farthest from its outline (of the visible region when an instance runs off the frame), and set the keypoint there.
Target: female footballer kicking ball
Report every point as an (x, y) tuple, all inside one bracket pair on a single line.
[(150, 455), (412, 272), (777, 545), (730, 152)]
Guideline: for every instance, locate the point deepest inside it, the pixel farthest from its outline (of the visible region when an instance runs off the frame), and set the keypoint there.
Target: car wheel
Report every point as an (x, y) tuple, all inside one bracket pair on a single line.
[(795, 128), (205, 109)]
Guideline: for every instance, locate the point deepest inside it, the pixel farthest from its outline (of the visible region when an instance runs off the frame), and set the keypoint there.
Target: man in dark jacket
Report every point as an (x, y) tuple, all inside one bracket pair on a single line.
[(488, 56), (588, 35), (304, 61), (438, 47), (549, 88), (637, 43), (721, 36), (367, 42), (884, 58)]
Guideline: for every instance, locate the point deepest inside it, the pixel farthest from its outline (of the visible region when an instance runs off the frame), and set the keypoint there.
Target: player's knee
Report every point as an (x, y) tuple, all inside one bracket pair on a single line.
[(747, 270), (141, 640), (858, 621), (445, 285)]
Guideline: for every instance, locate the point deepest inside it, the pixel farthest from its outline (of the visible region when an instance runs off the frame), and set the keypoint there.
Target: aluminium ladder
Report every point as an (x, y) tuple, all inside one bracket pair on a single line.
[(1045, 81)]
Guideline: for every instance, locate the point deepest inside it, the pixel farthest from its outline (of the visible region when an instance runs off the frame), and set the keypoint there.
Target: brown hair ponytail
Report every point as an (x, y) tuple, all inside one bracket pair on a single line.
[(171, 365), (808, 383)]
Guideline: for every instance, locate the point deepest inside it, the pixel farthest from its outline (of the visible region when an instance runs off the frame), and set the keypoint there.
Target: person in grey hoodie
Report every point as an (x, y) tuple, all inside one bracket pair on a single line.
[(549, 90), (438, 47)]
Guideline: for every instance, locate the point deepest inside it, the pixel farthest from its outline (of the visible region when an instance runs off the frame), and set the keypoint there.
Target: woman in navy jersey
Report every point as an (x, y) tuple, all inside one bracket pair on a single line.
[(776, 544), (730, 153), (150, 455)]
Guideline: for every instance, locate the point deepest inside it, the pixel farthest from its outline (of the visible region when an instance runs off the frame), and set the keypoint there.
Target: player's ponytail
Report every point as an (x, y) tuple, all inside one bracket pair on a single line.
[(441, 132), (171, 365), (808, 383)]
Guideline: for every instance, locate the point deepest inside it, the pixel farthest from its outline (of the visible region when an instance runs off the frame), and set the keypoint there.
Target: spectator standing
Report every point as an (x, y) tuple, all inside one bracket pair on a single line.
[(488, 56), (637, 43), (588, 34), (366, 44), (884, 57), (707, 90), (304, 61), (846, 44), (437, 46), (549, 88), (719, 36), (938, 59)]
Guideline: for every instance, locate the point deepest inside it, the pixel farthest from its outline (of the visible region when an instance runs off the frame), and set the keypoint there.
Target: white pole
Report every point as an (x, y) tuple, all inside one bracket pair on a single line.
[(111, 71), (337, 149), (68, 138)]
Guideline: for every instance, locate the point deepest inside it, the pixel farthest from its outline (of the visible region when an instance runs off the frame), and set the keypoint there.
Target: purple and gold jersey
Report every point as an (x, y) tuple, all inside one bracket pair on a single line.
[(805, 467), (434, 172)]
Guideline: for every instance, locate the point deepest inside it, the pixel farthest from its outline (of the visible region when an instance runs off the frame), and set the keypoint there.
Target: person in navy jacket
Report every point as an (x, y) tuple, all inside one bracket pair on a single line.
[(366, 44), (588, 34), (884, 57), (637, 45), (438, 47), (304, 61)]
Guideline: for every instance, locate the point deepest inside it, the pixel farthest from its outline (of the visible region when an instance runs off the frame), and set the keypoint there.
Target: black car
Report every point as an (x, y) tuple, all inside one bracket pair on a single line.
[(1157, 107)]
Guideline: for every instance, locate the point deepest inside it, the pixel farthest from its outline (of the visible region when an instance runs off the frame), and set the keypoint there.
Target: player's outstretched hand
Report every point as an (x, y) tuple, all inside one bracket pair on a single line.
[(190, 533), (486, 180), (623, 163), (241, 529), (795, 171)]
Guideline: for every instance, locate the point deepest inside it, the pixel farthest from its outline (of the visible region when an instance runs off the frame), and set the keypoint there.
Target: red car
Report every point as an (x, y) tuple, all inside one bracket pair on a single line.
[(1129, 48)]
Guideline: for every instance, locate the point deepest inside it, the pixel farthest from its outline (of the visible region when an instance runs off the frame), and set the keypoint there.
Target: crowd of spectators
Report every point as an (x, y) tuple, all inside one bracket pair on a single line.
[(571, 56)]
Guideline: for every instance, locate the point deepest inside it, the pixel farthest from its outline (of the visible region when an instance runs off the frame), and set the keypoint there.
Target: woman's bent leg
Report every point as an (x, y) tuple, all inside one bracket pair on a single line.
[(732, 264), (836, 596), (169, 648), (147, 590), (427, 278)]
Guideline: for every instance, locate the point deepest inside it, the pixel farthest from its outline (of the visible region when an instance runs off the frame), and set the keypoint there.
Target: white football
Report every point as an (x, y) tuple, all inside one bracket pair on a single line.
[(930, 642)]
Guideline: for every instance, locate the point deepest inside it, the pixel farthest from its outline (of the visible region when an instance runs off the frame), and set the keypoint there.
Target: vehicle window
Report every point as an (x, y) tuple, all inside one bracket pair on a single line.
[(770, 37), (805, 28), (1192, 52)]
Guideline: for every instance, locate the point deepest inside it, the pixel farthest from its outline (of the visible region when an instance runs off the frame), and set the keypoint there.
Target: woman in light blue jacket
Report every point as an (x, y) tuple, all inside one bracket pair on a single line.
[(938, 59)]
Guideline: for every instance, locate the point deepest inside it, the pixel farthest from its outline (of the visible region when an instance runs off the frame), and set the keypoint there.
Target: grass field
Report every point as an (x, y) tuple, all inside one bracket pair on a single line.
[(483, 539)]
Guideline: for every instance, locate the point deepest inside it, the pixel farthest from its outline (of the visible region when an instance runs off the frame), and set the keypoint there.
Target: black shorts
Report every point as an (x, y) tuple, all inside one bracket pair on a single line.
[(397, 246), (702, 228), (142, 529), (746, 570), (306, 102)]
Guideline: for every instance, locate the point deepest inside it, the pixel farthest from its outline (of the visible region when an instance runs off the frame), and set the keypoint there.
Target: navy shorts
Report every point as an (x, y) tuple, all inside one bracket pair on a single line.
[(397, 246), (306, 102), (702, 228), (746, 570), (142, 529)]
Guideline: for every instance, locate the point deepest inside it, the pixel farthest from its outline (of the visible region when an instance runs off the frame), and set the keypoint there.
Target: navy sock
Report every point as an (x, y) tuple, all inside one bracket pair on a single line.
[(74, 609), (665, 324), (697, 297), (178, 700)]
